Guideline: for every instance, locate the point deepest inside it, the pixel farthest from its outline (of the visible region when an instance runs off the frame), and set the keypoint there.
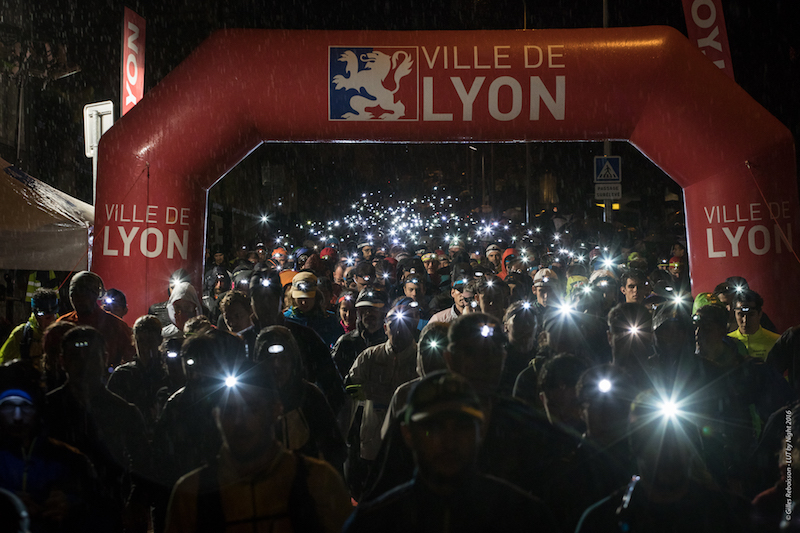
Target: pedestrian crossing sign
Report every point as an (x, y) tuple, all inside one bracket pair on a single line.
[(608, 169)]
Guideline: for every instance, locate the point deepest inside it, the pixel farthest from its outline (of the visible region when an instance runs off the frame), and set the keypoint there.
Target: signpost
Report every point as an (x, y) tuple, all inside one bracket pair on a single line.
[(607, 177), (97, 119)]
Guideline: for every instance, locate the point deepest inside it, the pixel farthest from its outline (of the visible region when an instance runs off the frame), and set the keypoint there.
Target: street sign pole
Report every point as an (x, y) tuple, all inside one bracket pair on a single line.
[(97, 119)]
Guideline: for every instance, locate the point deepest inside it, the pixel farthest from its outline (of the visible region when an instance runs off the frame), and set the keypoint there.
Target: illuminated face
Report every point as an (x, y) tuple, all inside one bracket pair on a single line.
[(494, 257), (219, 258), (748, 318), (362, 282), (544, 295), (371, 318), (458, 299), (431, 267), (633, 291), (304, 305), (415, 291), (367, 252), (347, 312)]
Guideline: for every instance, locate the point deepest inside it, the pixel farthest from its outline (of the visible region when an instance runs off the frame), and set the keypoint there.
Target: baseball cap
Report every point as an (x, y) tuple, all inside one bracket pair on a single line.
[(544, 277), (304, 285), (372, 298), (493, 248), (440, 393)]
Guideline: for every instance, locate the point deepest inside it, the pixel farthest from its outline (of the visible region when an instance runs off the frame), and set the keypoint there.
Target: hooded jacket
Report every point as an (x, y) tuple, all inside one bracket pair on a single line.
[(503, 270), (182, 291)]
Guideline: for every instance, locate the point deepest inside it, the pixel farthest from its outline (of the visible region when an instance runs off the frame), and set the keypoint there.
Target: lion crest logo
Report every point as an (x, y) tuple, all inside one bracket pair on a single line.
[(373, 84)]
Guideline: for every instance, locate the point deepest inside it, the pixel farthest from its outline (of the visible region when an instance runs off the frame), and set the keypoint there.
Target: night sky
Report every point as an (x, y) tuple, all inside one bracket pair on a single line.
[(763, 37)]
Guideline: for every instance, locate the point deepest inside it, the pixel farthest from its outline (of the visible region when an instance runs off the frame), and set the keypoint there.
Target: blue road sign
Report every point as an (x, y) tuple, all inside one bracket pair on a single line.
[(608, 169)]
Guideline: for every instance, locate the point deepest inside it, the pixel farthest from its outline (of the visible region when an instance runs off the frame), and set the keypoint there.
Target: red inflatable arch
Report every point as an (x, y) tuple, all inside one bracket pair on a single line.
[(735, 161)]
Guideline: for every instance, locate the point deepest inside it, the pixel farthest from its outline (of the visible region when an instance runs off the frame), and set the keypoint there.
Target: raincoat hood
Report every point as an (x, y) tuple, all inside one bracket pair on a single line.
[(503, 270), (183, 291)]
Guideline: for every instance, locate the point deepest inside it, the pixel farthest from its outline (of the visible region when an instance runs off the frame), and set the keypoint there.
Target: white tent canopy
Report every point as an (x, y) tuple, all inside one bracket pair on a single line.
[(41, 228)]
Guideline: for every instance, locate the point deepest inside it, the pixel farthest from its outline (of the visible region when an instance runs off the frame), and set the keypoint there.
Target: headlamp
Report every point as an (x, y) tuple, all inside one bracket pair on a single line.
[(634, 330), (526, 305), (231, 381), (473, 304), (413, 305), (108, 300), (604, 385), (668, 409), (265, 282), (275, 348), (172, 354), (745, 309), (487, 330), (190, 362), (302, 286), (366, 278), (385, 275), (81, 344), (738, 288)]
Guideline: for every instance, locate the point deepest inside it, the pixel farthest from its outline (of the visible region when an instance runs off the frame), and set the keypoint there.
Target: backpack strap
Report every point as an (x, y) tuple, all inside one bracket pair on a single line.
[(26, 342)]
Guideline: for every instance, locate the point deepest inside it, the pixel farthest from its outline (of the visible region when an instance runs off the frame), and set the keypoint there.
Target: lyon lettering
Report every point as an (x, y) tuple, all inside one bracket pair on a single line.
[(150, 240), (706, 22), (132, 64), (760, 240), (537, 90)]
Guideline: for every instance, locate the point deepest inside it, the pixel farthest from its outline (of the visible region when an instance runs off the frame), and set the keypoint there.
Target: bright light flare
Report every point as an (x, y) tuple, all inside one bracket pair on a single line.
[(231, 381), (668, 409), (604, 385)]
